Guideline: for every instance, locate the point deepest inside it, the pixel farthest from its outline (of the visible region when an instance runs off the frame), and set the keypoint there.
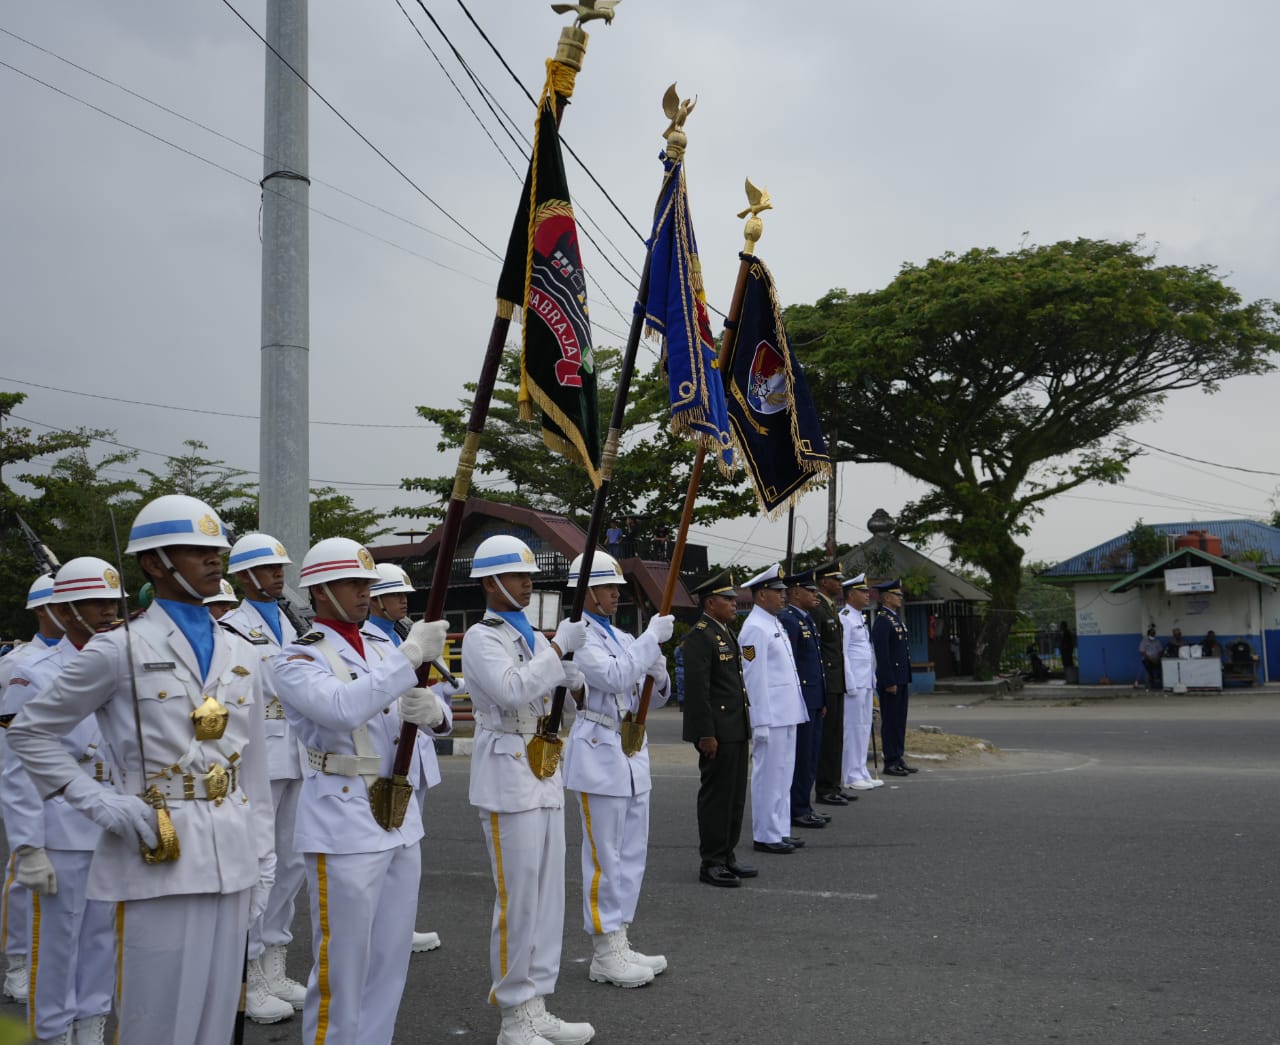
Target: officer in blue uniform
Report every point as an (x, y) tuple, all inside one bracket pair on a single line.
[(802, 630), (893, 675)]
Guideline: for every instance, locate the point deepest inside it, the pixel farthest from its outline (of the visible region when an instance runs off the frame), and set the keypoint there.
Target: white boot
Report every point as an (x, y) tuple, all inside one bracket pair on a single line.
[(517, 1027), (62, 1039), (260, 1005), (278, 982), (611, 964), (656, 962), (554, 1029), (89, 1031), (16, 981), (425, 942)]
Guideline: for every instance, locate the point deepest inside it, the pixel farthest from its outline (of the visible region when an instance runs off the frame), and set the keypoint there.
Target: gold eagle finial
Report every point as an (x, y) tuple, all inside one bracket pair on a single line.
[(758, 200), (676, 111), (588, 10)]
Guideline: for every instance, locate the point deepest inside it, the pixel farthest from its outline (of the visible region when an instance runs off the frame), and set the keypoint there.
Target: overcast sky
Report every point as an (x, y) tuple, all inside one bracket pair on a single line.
[(130, 268)]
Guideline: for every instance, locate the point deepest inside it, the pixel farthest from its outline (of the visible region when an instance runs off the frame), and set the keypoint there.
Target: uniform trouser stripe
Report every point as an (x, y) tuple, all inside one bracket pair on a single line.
[(34, 961), (4, 904), (594, 892), (502, 900), (322, 958), (119, 964)]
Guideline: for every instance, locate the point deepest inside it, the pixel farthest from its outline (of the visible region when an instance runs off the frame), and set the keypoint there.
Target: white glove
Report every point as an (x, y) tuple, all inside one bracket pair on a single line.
[(571, 635), (446, 689), (425, 642), (124, 815), (657, 670), (421, 707), (34, 869), (262, 887), (661, 627), (574, 680)]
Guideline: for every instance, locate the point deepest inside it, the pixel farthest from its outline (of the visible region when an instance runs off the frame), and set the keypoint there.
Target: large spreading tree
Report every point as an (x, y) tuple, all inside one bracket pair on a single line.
[(1002, 380)]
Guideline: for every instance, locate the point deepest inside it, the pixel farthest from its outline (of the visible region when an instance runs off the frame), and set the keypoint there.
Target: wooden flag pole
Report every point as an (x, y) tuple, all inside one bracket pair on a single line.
[(757, 201)]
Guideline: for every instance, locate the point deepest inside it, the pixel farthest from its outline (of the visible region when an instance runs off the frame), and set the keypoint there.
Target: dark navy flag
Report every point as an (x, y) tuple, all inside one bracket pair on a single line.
[(676, 311), (771, 409), (543, 275)]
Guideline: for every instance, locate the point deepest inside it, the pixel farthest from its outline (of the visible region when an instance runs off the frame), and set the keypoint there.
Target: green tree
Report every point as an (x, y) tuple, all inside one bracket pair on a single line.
[(649, 479), (1002, 380), (222, 488), (335, 514), (1146, 543)]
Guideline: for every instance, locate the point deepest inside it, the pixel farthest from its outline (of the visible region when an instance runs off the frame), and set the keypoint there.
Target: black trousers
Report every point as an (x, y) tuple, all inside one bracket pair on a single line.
[(808, 748), (722, 797), (831, 760), (893, 723)]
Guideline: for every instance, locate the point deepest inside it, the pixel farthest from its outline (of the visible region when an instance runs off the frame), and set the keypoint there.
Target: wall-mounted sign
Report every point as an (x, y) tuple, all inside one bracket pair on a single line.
[(1189, 580)]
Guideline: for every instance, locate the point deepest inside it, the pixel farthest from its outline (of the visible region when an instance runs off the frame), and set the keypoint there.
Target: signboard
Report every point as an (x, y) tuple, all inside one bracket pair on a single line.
[(1189, 580)]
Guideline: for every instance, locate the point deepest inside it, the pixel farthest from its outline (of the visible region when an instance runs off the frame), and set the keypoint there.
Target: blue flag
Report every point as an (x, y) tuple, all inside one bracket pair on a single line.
[(676, 311), (774, 421)]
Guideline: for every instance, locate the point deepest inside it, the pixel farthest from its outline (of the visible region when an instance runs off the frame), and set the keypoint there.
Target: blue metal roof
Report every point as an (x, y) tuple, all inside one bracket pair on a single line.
[(1113, 558)]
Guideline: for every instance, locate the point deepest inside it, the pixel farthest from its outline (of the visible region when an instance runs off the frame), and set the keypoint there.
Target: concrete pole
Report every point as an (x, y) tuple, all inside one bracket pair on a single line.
[(284, 453)]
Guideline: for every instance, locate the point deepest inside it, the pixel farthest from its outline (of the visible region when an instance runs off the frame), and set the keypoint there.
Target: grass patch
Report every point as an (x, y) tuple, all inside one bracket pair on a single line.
[(949, 744)]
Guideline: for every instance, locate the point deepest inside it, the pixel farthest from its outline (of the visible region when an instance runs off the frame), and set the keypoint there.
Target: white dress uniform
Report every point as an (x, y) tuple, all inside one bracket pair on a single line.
[(614, 789), (15, 903), (777, 707), (284, 768), (859, 694), (362, 879), (522, 816), (72, 938), (180, 925)]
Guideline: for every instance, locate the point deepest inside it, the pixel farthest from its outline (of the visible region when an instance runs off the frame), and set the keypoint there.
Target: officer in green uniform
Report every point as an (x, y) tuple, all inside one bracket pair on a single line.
[(826, 615), (717, 722)]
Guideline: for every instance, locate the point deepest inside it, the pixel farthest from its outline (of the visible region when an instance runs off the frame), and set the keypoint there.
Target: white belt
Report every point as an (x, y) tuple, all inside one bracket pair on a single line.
[(187, 787), (522, 722), (343, 765), (273, 709), (600, 719)]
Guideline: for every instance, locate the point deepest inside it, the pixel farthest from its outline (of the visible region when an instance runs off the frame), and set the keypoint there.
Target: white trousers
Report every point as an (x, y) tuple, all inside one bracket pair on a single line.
[(858, 709), (773, 763), (615, 842), (181, 964), (526, 854), (272, 929), (73, 950), (15, 912), (362, 912)]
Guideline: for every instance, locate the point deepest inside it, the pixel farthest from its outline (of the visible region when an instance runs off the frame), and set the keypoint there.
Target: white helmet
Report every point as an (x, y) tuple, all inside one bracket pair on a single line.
[(604, 570), (500, 554), (394, 581), (176, 519), (86, 577), (335, 559), (41, 591), (256, 549), (227, 594)]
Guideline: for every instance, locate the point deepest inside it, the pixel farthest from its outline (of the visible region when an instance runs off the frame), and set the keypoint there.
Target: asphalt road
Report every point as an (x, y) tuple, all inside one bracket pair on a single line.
[(1109, 876)]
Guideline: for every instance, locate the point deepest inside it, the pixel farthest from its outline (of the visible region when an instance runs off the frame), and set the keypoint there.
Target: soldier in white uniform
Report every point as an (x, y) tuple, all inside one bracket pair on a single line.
[(613, 788), (345, 693), (257, 562), (389, 603), (72, 938), (511, 672), (859, 685), (15, 904), (777, 707), (183, 919), (222, 603)]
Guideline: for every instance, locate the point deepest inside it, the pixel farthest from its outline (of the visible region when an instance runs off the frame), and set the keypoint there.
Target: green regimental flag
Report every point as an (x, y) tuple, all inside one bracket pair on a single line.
[(543, 275)]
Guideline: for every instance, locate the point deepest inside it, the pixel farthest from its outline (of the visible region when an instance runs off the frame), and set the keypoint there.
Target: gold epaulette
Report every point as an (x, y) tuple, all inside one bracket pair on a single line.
[(310, 638)]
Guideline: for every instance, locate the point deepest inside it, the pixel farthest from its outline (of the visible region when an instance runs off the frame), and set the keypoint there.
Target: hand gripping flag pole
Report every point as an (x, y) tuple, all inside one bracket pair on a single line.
[(561, 72), (758, 201)]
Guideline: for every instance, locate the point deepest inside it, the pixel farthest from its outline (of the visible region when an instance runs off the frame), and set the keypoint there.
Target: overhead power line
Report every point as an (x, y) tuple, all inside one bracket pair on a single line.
[(1201, 460)]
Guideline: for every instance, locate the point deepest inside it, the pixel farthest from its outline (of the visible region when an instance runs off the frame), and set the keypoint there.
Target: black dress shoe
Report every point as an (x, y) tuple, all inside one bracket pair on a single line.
[(718, 874), (809, 820), (833, 799), (824, 817), (743, 870), (896, 770), (910, 769), (797, 842), (773, 847)]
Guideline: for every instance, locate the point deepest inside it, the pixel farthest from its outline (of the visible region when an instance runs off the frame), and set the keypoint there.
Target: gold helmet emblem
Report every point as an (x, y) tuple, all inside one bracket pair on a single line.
[(366, 560), (526, 555), (279, 550), (209, 526), (111, 579)]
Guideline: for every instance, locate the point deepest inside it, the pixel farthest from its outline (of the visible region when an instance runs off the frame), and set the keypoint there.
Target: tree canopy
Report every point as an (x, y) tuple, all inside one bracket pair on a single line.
[(1005, 379)]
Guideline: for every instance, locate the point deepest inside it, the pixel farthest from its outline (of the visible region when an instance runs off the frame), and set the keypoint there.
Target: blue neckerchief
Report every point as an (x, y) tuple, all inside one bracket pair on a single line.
[(520, 622), (388, 626), (194, 622), (603, 622), (270, 612), (48, 641)]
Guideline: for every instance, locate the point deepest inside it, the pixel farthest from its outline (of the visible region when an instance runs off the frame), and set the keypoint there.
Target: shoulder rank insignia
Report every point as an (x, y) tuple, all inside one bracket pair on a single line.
[(310, 638), (239, 670), (700, 626), (748, 653), (491, 622), (374, 638)]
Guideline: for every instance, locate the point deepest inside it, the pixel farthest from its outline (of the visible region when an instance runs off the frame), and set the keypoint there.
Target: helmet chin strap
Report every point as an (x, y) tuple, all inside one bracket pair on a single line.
[(506, 594), (253, 577), (382, 610), (54, 617), (173, 572), (336, 605)]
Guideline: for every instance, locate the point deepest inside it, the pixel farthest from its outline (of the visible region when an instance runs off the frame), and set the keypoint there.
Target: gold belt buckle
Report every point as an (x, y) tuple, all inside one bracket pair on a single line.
[(217, 782)]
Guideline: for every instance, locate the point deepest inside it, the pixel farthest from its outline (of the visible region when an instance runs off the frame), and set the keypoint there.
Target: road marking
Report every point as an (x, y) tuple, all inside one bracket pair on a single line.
[(815, 894)]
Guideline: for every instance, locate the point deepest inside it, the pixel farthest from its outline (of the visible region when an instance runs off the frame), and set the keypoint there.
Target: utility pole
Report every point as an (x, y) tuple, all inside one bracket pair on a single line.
[(284, 451)]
